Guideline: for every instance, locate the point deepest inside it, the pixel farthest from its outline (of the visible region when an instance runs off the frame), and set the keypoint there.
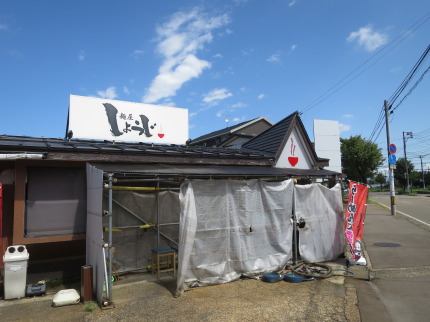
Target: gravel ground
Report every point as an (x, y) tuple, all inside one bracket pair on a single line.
[(243, 300)]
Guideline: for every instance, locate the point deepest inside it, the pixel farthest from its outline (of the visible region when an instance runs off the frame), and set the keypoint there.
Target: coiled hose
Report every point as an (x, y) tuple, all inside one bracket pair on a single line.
[(317, 270)]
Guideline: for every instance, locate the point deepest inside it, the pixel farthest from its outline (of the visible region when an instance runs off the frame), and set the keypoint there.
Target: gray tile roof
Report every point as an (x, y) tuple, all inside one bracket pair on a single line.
[(217, 133), (20, 144), (271, 140)]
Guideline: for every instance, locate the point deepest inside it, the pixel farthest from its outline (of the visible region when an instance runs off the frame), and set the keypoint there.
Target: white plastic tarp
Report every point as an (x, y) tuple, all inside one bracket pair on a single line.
[(321, 208), (230, 229), (132, 245), (94, 241)]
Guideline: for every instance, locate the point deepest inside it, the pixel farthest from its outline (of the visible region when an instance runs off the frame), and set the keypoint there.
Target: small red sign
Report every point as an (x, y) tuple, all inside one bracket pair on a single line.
[(392, 148)]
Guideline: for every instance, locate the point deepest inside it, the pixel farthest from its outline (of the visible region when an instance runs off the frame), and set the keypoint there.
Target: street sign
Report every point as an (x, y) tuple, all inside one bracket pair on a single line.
[(392, 148), (392, 159), (393, 167)]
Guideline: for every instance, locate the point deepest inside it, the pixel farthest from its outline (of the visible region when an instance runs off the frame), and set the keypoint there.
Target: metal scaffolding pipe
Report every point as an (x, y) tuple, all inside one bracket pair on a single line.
[(150, 189), (295, 239), (169, 224), (109, 281), (142, 220), (129, 227), (158, 214), (144, 180)]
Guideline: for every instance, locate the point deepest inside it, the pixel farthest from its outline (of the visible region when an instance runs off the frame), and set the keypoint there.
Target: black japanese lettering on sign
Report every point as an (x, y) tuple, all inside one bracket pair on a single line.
[(141, 126), (111, 113)]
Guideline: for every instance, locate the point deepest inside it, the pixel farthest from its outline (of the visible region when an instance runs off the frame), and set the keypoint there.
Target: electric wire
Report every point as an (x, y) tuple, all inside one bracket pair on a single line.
[(379, 125), (408, 78), (380, 119), (407, 33), (412, 89)]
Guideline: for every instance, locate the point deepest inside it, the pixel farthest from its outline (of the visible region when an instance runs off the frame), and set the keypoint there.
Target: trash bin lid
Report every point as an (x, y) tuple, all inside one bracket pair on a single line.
[(15, 253)]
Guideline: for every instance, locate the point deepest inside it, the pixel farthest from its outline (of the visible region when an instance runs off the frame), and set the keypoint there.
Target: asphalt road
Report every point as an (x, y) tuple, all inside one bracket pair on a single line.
[(415, 206)]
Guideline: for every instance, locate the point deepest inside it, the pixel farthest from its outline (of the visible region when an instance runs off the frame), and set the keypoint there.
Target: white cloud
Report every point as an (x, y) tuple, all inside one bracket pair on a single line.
[(168, 102), (239, 2), (126, 90), (275, 58), (344, 127), (261, 96), (367, 38), (292, 3), (216, 95), (109, 93), (348, 116), (231, 109), (4, 27), (293, 47), (137, 53), (239, 105), (217, 56), (81, 55), (179, 40), (247, 52), (395, 69)]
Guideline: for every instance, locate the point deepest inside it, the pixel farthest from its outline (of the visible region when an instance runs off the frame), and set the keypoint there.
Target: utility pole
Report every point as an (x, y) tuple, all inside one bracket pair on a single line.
[(405, 138), (422, 172), (390, 166)]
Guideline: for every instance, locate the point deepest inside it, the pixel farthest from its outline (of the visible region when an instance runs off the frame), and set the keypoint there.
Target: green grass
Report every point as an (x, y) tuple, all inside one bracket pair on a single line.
[(65, 281), (90, 306)]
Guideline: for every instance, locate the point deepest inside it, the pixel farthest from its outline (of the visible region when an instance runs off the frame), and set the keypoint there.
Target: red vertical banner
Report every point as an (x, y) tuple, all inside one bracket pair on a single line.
[(354, 217)]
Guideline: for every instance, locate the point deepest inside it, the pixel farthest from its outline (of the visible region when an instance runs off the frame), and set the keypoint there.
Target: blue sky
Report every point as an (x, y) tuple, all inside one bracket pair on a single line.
[(235, 59)]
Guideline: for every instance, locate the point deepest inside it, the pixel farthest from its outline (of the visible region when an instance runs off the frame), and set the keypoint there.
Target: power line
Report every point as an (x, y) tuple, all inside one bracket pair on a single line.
[(413, 88), (379, 125), (408, 78), (336, 87)]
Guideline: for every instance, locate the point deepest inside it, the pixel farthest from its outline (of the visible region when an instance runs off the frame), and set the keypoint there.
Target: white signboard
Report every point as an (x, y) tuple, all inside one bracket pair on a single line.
[(294, 154), (103, 119), (327, 143)]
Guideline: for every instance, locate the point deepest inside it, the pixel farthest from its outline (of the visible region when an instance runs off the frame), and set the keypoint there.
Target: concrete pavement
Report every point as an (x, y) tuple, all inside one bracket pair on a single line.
[(398, 255)]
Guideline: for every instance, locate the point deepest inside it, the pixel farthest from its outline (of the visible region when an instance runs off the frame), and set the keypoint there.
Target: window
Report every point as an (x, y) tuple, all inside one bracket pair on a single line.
[(55, 201)]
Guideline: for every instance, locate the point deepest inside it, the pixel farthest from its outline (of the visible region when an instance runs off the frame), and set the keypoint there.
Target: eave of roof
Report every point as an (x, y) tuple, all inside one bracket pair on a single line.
[(49, 145), (208, 172), (228, 130)]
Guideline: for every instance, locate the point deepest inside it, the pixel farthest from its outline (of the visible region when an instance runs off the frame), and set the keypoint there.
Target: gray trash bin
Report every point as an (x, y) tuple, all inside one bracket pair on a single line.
[(15, 271)]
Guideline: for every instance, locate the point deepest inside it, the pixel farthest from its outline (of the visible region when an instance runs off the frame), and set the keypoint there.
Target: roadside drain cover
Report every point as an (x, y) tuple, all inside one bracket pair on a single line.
[(387, 245)]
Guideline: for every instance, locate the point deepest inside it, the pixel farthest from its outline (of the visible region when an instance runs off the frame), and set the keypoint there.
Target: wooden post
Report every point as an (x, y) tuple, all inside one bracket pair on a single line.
[(86, 283)]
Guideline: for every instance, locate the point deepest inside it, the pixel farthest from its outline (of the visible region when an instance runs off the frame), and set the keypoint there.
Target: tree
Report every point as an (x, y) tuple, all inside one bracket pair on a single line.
[(360, 158), (400, 172), (380, 178), (416, 179)]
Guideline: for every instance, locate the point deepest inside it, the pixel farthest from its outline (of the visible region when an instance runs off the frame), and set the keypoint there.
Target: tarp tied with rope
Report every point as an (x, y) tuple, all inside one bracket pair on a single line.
[(230, 229), (321, 237)]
